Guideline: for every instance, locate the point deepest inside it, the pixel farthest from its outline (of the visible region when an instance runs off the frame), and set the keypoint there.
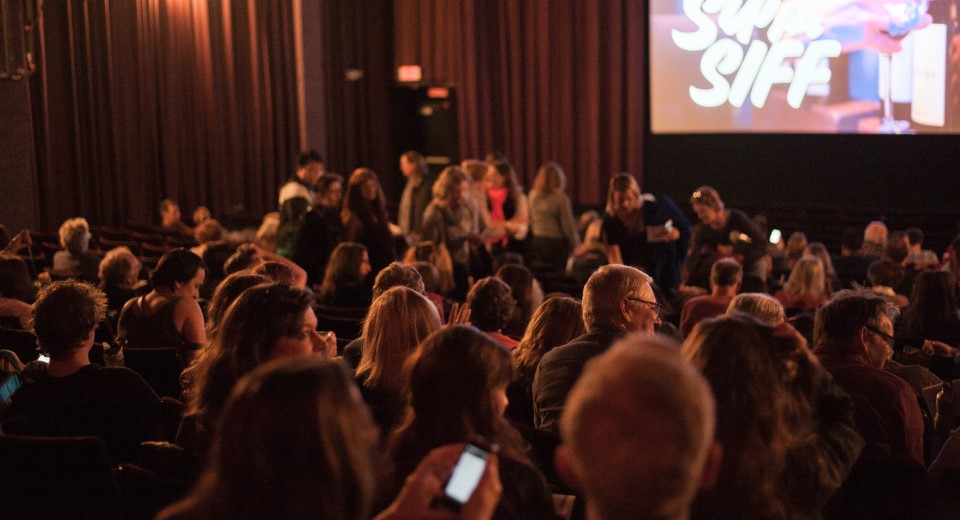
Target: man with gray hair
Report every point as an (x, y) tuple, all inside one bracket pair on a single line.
[(853, 334), (617, 300), (638, 433)]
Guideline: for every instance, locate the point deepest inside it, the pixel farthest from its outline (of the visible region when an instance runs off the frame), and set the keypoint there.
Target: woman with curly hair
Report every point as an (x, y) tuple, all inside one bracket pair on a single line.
[(491, 308), (458, 381), (365, 217), (345, 281), (452, 220), (557, 321), (787, 431)]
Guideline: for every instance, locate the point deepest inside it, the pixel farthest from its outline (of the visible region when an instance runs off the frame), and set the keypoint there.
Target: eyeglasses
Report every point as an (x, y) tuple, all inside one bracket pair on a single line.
[(656, 306), (890, 340)]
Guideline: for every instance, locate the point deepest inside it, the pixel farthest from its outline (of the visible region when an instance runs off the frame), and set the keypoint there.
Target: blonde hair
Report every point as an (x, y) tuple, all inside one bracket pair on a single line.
[(550, 178), (759, 305), (806, 278), (75, 235), (398, 320), (621, 183)]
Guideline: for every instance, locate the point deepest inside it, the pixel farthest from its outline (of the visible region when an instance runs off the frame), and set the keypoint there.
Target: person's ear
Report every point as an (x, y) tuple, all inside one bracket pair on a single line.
[(625, 315), (563, 463), (711, 466)]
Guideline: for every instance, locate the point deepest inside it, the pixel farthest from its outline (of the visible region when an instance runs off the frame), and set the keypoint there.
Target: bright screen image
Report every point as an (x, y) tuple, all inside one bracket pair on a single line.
[(804, 66)]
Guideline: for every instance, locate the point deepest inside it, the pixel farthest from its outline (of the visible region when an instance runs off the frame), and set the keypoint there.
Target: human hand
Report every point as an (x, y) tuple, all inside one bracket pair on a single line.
[(327, 345), (425, 486), (459, 314), (932, 347)]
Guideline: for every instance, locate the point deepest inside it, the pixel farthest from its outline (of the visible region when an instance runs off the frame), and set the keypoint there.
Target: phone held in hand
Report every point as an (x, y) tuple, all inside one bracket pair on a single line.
[(10, 385), (465, 477), (775, 236)]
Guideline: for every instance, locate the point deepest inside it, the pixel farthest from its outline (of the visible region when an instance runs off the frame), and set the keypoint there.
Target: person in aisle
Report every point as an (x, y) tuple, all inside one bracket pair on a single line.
[(552, 224), (320, 231), (416, 194), (365, 220), (296, 197)]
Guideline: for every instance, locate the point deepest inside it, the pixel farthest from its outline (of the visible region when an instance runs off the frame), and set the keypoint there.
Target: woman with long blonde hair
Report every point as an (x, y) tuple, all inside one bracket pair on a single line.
[(806, 289)]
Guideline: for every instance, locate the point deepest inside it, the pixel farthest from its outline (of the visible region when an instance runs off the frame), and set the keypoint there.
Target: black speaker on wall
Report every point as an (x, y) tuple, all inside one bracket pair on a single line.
[(425, 119)]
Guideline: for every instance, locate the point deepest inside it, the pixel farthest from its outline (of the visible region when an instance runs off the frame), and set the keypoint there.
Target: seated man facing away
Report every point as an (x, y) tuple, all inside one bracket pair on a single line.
[(70, 396), (617, 300), (725, 277), (638, 433)]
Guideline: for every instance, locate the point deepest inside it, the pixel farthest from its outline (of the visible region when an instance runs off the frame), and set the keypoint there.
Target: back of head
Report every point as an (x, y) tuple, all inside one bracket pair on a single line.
[(15, 279), (343, 267), (398, 320), (914, 236), (176, 266), (229, 290), (277, 272), (298, 434), (491, 304), (550, 178), (429, 274), (885, 272), (806, 278), (847, 312), (452, 385), (446, 189), (852, 240), (556, 322), (307, 157), (521, 281), (65, 314), (896, 247), (208, 231), (932, 304), (762, 306), (75, 235), (726, 272), (475, 168), (604, 290), (638, 426), (116, 266), (397, 275)]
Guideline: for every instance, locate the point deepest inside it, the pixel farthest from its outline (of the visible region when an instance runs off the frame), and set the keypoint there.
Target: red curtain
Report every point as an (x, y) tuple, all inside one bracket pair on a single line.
[(140, 100), (539, 80)]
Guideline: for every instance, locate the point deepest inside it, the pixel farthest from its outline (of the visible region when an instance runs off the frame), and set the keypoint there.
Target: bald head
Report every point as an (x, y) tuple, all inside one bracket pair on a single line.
[(638, 427)]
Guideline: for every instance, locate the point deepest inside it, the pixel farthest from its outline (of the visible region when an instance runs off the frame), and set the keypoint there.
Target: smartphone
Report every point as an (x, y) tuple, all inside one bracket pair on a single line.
[(466, 475), (775, 236), (668, 225), (10, 385), (43, 359)]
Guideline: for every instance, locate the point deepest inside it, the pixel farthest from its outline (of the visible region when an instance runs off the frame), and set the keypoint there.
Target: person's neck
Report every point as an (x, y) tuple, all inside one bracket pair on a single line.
[(70, 363), (724, 291)]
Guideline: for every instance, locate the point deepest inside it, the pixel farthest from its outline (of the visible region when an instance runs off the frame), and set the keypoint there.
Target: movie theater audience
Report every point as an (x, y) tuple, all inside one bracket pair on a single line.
[(75, 260)]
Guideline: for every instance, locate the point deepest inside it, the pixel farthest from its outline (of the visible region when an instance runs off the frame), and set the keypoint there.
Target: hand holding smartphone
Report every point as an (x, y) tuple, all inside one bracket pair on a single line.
[(465, 477)]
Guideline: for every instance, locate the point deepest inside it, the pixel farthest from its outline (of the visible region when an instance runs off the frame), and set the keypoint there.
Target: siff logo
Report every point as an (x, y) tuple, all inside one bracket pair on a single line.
[(763, 64)]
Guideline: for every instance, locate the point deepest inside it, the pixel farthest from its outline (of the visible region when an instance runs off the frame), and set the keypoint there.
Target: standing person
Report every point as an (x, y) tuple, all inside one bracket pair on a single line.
[(451, 220), (365, 220), (296, 197), (721, 233), (552, 224), (507, 209), (321, 230), (416, 194), (650, 233)]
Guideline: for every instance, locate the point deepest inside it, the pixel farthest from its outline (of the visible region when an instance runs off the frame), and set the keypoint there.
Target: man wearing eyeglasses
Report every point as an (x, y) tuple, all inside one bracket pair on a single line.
[(617, 300), (853, 334)]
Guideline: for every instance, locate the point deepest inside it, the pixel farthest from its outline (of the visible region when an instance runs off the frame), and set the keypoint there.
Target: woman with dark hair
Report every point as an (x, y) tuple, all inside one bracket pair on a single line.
[(931, 316), (398, 320), (266, 322), (526, 292), (169, 315), (16, 293), (787, 431), (554, 229), (507, 209), (450, 219), (555, 323), (365, 219), (416, 194), (491, 308), (345, 281), (295, 441), (458, 383)]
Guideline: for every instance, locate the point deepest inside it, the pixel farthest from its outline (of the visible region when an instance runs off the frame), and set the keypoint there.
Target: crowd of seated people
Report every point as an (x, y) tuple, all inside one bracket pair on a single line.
[(730, 379)]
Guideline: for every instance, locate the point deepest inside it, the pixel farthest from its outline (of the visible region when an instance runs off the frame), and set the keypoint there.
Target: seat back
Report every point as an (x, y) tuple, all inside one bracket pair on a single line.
[(345, 322), (160, 367), (57, 477), (21, 343)]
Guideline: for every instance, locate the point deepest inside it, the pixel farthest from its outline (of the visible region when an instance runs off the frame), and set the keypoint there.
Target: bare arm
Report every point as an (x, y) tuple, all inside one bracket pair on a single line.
[(300, 276)]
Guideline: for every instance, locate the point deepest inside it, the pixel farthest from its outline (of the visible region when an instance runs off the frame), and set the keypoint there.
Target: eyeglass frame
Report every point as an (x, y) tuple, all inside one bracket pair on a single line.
[(657, 307), (887, 338)]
